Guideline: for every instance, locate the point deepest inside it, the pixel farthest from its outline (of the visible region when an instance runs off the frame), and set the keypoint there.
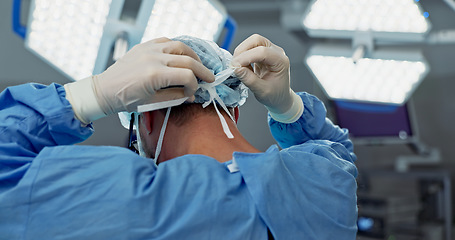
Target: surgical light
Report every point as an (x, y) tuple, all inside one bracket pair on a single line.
[(387, 76), (77, 36), (386, 19), (68, 33), (171, 18)]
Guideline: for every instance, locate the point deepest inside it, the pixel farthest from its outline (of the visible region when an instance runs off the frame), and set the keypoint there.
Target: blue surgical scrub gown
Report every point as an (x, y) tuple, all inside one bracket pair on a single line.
[(51, 189)]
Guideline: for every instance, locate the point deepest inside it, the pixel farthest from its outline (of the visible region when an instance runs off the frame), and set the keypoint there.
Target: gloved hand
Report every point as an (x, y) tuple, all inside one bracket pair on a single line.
[(269, 79), (155, 71)]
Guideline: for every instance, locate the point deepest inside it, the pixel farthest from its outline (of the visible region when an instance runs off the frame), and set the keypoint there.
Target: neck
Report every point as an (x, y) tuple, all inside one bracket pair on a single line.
[(204, 135)]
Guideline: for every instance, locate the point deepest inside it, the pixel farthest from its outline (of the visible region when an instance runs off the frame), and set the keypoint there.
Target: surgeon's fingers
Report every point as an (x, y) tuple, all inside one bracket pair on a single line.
[(170, 47), (182, 61), (166, 45), (182, 77), (251, 42), (179, 48), (249, 78), (273, 57), (152, 46), (170, 94), (160, 40)]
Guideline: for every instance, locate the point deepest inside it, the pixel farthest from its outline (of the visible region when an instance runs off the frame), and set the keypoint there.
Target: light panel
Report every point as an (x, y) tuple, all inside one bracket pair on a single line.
[(382, 78), (68, 33), (171, 18), (386, 16)]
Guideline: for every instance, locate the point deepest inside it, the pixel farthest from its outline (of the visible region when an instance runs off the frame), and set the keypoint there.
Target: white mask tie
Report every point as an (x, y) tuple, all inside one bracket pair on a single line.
[(161, 137), (210, 87)]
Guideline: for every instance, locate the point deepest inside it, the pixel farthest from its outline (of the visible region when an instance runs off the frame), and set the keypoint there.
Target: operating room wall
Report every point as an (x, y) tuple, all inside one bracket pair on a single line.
[(433, 100)]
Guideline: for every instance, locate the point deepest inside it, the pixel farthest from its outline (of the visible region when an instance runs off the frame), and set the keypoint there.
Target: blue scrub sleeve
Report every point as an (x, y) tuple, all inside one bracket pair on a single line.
[(34, 116), (312, 125)]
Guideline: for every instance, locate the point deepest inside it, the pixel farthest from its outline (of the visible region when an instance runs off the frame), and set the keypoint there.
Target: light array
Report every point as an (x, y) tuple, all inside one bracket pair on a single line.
[(385, 80), (76, 36), (68, 33), (171, 18), (398, 16)]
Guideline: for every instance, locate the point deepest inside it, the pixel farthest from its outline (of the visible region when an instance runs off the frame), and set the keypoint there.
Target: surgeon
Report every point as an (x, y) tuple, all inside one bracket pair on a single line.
[(196, 177)]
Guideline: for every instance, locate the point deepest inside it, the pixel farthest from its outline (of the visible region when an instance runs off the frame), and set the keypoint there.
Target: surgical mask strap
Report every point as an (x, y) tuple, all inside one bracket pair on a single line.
[(138, 136), (161, 137), (210, 87)]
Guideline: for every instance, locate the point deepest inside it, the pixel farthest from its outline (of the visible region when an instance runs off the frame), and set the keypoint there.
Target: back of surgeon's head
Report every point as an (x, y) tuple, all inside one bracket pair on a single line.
[(183, 114), (232, 91)]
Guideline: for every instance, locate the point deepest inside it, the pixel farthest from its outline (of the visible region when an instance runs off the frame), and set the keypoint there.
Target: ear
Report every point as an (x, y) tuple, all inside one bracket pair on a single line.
[(146, 120), (236, 114), (152, 121)]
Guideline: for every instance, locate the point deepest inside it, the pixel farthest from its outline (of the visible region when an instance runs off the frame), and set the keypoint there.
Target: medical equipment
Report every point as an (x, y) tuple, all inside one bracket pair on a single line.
[(386, 75), (372, 67), (390, 19), (418, 207), (76, 37)]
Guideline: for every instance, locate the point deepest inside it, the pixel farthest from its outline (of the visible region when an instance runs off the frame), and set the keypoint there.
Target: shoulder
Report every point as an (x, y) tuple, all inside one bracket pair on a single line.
[(87, 154), (92, 162), (324, 148), (315, 155)]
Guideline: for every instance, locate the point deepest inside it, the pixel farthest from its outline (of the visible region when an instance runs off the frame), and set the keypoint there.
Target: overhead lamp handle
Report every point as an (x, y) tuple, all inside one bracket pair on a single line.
[(231, 28), (18, 28), (121, 46), (363, 44), (359, 53)]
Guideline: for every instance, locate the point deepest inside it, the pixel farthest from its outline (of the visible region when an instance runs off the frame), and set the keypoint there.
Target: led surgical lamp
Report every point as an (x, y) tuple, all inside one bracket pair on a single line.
[(76, 36), (383, 76), (364, 72), (387, 19)]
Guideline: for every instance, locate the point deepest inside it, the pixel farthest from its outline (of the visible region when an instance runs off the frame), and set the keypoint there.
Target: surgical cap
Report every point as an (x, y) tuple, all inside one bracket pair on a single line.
[(232, 91)]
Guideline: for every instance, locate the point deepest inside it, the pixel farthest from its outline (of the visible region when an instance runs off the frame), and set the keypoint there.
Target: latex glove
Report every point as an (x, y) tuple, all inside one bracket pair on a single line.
[(269, 78), (155, 71)]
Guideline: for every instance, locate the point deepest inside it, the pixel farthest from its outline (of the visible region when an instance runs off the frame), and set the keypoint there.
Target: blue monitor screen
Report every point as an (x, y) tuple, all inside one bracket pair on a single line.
[(373, 120)]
